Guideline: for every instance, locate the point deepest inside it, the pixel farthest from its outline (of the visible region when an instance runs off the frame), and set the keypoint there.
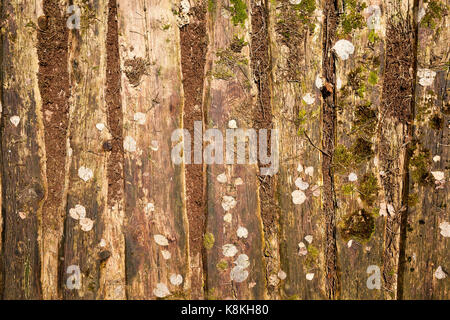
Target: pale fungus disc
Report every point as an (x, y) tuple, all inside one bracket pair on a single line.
[(161, 290), (129, 144), (176, 279), (161, 240), (238, 274), (344, 49), (242, 232), (85, 174), (229, 250), (228, 203)]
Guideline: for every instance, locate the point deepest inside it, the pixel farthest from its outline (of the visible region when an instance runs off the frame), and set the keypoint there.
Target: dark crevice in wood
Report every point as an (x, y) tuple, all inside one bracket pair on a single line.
[(262, 114), (329, 204), (113, 98), (406, 181), (194, 42), (54, 87)]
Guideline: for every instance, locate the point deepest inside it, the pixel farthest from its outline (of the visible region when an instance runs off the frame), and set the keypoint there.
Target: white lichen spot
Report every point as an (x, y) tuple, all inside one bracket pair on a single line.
[(436, 158), (229, 250), (22, 215), (352, 177), (228, 218), (445, 229), (374, 19), (238, 274), (77, 213), (251, 285), (309, 276), (349, 243), (149, 208), (302, 250), (232, 124), (166, 254), (309, 98), (140, 118), (421, 14), (228, 203), (298, 197), (294, 2), (302, 185), (183, 16), (315, 190), (102, 243), (438, 175), (129, 144), (161, 240), (282, 275), (300, 168), (309, 238), (319, 82), (15, 120), (242, 261), (344, 49), (86, 224), (309, 171), (383, 209), (338, 83), (426, 77), (154, 145), (390, 209), (161, 290), (100, 127), (176, 279), (85, 174), (222, 178), (440, 274), (242, 232), (238, 182)]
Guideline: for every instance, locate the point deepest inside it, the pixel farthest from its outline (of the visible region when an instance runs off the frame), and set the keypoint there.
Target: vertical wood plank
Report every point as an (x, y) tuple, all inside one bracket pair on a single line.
[(86, 198), (427, 243), (23, 186), (231, 96), (394, 134), (152, 97), (359, 83), (296, 48)]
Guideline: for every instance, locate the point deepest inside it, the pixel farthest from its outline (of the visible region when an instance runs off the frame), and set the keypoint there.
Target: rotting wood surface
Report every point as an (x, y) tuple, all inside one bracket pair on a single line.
[(94, 206)]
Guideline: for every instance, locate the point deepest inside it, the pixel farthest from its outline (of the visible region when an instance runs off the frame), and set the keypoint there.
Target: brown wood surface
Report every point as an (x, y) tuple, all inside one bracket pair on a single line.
[(87, 126)]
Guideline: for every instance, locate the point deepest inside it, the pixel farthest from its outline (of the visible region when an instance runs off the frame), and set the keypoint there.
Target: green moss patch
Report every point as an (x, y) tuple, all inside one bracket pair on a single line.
[(359, 225)]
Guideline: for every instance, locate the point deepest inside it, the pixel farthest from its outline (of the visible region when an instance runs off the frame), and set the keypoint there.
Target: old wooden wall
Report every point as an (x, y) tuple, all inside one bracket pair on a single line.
[(93, 207)]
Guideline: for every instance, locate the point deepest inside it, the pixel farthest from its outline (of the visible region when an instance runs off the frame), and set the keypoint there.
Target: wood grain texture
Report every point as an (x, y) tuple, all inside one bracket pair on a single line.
[(295, 67), (426, 246), (359, 85), (151, 85), (231, 96), (23, 186)]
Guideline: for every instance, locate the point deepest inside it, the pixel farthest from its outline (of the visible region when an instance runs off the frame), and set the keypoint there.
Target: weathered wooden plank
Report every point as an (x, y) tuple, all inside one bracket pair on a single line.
[(234, 259), (296, 49), (359, 83), (85, 250), (23, 185), (152, 97), (427, 244), (394, 134)]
